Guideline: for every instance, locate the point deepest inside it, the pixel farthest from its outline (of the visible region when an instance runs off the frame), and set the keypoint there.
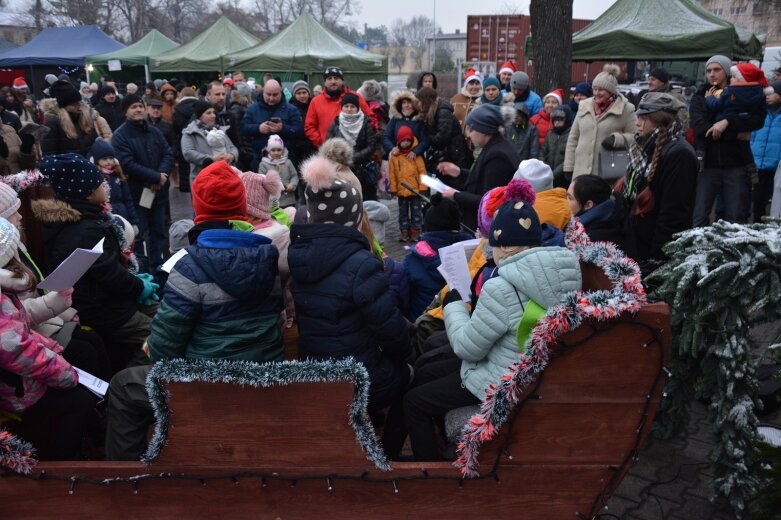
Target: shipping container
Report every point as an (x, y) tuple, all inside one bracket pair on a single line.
[(498, 38)]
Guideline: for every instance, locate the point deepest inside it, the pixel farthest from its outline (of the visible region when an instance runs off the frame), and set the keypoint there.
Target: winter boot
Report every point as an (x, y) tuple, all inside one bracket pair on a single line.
[(403, 235), (414, 234)]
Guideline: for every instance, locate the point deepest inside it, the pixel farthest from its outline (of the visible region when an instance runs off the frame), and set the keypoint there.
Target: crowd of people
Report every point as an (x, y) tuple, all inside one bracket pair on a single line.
[(290, 190)]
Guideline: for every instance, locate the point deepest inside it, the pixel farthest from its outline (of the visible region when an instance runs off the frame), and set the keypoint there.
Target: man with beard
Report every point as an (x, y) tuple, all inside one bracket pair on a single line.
[(325, 107)]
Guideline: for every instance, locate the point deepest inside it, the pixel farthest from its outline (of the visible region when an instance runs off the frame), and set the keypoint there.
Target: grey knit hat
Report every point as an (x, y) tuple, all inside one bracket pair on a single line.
[(608, 78), (298, 85), (723, 61), (520, 80), (177, 234), (486, 119)]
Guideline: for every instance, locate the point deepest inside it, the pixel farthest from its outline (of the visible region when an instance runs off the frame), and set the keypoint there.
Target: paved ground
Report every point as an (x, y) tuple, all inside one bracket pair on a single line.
[(672, 479)]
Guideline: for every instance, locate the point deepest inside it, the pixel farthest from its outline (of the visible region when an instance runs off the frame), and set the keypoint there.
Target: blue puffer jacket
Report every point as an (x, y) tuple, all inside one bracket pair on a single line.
[(486, 341), (260, 112), (345, 308), (143, 153), (420, 266), (766, 142), (122, 200)]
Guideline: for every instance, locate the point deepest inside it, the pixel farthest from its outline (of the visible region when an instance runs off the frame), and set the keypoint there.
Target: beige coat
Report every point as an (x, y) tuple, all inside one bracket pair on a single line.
[(462, 105), (585, 138), (16, 160)]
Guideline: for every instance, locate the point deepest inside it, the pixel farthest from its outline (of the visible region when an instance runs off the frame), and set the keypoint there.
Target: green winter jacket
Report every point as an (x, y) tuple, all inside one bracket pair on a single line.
[(486, 342), (553, 152)]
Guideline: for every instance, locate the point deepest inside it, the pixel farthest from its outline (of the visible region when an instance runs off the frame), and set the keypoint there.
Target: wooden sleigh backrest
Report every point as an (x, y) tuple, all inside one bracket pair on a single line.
[(596, 399), (295, 425)]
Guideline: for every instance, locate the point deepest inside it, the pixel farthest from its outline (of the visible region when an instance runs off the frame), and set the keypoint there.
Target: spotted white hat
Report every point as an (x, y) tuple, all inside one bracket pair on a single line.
[(330, 200)]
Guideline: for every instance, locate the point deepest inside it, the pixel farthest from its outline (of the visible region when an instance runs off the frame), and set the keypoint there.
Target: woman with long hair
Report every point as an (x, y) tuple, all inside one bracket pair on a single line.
[(71, 127), (660, 184)]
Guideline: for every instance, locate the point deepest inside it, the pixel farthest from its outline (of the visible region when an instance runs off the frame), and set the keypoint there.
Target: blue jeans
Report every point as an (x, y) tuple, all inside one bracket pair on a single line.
[(151, 231), (731, 183), (410, 213)]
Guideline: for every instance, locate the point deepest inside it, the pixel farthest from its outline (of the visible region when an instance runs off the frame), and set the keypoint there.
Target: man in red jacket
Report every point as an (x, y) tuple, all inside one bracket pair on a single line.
[(324, 108)]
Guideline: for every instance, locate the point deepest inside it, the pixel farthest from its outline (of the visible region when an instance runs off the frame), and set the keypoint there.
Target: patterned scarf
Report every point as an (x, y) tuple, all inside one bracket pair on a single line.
[(641, 152), (350, 126)]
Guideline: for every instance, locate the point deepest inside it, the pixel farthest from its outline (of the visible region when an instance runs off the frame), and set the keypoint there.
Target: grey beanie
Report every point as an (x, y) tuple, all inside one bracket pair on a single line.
[(243, 89), (520, 80), (159, 83), (177, 234), (723, 61), (608, 78), (298, 85), (486, 119)]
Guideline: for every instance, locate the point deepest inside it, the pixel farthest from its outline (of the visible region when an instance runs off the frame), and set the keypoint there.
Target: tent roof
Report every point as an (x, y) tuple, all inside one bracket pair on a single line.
[(662, 29), (152, 44), (307, 46), (205, 52), (60, 46)]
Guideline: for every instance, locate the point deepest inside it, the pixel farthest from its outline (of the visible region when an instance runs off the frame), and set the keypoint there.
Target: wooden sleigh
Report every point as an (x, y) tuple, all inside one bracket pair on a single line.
[(292, 451)]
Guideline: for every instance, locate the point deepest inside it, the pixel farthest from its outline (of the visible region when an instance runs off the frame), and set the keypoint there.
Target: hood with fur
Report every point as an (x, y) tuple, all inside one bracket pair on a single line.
[(53, 211), (395, 104)]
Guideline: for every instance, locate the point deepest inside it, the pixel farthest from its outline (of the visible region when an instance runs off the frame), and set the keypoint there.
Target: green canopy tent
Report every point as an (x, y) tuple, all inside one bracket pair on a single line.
[(307, 48), (662, 30), (137, 54), (207, 51)]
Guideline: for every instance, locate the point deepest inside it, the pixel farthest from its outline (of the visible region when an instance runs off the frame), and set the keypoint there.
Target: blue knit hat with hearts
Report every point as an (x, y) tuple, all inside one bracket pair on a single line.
[(515, 224), (71, 175)]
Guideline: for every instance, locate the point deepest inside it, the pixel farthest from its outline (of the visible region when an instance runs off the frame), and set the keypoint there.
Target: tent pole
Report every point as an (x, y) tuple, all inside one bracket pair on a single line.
[(146, 69)]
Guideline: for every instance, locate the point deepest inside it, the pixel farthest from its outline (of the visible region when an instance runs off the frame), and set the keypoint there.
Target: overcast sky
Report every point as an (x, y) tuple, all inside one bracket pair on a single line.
[(451, 14)]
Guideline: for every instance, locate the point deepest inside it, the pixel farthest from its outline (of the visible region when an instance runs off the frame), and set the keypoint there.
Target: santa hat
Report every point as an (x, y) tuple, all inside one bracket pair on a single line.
[(557, 93), (472, 74), (750, 73), (19, 83), (508, 66)]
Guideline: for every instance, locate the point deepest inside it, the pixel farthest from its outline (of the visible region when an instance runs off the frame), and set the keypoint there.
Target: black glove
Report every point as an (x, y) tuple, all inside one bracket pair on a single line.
[(206, 162), (435, 198), (609, 142), (450, 297), (27, 143), (3, 149)]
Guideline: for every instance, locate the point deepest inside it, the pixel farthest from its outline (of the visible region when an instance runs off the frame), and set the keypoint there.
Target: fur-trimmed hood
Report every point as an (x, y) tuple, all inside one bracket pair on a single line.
[(395, 104), (53, 211), (49, 107)]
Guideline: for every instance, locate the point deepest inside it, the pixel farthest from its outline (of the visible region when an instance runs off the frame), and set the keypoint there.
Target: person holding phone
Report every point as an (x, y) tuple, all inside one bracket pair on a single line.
[(269, 116)]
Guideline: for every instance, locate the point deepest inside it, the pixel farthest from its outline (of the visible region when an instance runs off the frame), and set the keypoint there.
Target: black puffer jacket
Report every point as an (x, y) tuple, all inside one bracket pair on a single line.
[(447, 141), (112, 113), (345, 307), (106, 295), (365, 144)]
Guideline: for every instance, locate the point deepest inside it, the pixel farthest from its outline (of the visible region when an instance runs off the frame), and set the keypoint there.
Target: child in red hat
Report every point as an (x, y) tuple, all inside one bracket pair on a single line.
[(406, 167)]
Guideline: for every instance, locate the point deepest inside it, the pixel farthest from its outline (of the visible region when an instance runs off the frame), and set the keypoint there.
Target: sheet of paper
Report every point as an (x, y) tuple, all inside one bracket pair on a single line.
[(93, 383), (469, 247), (171, 262), (147, 198), (455, 270), (72, 268), (433, 183)]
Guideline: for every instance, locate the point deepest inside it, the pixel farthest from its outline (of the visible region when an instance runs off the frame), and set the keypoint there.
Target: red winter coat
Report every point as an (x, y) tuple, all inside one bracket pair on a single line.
[(323, 109)]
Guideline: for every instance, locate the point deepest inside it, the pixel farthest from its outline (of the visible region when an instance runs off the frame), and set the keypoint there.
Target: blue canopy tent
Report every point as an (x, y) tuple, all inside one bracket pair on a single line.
[(59, 47)]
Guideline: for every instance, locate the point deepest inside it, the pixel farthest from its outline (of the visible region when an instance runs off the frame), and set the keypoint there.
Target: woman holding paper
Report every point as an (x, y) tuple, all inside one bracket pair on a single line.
[(495, 166), (34, 376)]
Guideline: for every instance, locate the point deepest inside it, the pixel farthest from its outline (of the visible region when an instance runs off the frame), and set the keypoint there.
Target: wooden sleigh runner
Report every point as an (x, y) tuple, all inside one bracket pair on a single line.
[(292, 440)]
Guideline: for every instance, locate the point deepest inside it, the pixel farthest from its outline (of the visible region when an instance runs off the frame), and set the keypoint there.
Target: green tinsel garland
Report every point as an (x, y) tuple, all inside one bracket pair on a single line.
[(720, 281), (262, 375)]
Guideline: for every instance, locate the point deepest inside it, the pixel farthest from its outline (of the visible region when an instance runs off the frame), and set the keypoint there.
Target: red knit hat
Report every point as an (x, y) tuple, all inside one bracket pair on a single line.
[(20, 83), (405, 132), (750, 73), (218, 194), (507, 66)]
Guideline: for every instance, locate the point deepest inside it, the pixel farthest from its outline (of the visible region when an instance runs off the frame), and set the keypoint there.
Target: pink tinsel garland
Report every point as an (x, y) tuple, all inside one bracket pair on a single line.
[(627, 295), (15, 454)]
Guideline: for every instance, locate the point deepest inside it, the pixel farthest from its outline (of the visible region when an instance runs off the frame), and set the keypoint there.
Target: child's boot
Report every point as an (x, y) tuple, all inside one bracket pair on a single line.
[(414, 234), (403, 235)]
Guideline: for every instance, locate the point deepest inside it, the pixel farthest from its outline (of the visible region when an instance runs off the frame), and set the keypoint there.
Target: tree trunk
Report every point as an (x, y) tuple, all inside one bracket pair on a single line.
[(551, 25)]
